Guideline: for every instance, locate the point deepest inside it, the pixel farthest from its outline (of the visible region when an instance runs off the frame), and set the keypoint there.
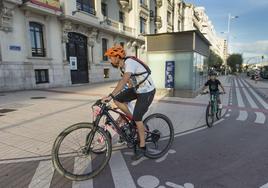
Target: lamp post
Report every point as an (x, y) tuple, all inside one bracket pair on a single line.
[(230, 17)]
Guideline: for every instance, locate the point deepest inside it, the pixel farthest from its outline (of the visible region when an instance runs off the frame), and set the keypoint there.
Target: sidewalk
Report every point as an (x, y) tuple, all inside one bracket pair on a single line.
[(261, 87), (40, 115)]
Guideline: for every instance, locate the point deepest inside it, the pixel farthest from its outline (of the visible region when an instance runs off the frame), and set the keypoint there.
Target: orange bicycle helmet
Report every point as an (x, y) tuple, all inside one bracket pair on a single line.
[(116, 51)]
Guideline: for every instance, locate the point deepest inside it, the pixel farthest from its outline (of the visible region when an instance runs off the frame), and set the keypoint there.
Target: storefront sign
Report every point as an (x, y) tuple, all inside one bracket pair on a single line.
[(52, 4), (73, 63), (169, 74), (14, 48)]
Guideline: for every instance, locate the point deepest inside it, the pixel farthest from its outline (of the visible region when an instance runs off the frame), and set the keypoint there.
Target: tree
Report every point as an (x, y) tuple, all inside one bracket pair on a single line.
[(214, 61), (235, 62)]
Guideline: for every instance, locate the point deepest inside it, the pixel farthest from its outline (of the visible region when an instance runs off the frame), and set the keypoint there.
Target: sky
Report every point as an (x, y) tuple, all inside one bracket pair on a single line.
[(249, 32)]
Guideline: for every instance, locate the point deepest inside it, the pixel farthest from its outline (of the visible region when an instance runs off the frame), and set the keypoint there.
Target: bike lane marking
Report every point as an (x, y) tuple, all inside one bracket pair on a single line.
[(120, 173), (260, 118), (243, 115), (43, 175), (264, 104), (264, 186), (77, 168)]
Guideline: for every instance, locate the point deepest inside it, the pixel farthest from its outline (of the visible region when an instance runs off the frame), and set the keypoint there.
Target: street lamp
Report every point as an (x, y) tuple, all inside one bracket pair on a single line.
[(230, 17)]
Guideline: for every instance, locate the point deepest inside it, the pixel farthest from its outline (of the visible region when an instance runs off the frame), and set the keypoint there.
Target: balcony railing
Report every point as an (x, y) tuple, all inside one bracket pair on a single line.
[(50, 4), (84, 8)]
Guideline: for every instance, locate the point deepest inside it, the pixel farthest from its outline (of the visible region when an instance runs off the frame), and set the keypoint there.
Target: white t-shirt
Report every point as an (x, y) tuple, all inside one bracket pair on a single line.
[(135, 67)]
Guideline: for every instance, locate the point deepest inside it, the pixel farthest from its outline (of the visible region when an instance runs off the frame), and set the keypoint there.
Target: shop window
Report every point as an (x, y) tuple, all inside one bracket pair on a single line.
[(37, 39), (106, 73), (41, 76)]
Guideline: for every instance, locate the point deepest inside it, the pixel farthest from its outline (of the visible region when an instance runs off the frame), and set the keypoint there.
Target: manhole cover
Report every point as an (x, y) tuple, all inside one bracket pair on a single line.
[(6, 110), (38, 97)]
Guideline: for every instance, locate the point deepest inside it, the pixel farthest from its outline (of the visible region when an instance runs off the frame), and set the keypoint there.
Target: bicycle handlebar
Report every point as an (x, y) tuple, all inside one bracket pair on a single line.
[(204, 93)]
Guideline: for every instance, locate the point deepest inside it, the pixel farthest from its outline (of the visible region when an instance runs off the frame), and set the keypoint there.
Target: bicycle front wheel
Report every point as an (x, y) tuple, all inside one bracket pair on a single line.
[(159, 135), (209, 116), (71, 158)]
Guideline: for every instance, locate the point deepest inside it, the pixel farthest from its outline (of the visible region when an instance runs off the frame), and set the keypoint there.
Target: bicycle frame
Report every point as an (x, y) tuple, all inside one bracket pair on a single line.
[(214, 103), (105, 112)]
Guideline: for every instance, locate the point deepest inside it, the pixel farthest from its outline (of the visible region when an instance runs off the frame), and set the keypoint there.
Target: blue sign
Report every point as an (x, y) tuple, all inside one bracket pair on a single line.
[(15, 48), (170, 74)]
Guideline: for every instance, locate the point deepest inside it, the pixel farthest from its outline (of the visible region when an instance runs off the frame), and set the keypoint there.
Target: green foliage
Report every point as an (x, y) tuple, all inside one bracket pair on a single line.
[(215, 61), (235, 62)]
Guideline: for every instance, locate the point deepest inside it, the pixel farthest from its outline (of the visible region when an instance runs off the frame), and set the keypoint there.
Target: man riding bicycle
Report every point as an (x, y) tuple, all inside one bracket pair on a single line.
[(142, 90), (213, 83)]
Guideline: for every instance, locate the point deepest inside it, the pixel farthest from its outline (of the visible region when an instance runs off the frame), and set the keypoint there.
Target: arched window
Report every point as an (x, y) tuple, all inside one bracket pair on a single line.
[(37, 40)]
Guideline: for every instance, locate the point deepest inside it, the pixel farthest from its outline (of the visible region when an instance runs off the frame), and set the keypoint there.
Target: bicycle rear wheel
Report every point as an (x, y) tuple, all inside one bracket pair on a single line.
[(159, 135), (209, 116), (69, 155)]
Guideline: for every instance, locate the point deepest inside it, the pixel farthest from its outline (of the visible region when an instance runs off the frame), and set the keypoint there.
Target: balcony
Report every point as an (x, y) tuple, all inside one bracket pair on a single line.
[(143, 4), (85, 8), (158, 22), (43, 6), (126, 4)]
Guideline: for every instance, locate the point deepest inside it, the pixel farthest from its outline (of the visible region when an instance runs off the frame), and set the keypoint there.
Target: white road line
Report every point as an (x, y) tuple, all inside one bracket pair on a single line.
[(264, 104), (260, 118), (82, 164), (243, 115), (43, 175), (7, 161), (264, 186), (236, 85), (120, 173), (239, 98), (249, 98)]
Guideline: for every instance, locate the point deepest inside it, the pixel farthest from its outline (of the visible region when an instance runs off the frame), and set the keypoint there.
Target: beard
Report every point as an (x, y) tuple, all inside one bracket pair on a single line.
[(115, 66)]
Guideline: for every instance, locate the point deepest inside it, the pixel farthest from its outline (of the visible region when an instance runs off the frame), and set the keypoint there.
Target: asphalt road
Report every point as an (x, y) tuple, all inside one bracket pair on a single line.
[(232, 154)]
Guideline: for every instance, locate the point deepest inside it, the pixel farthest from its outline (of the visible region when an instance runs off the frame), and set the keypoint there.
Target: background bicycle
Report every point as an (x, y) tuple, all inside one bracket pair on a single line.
[(213, 109)]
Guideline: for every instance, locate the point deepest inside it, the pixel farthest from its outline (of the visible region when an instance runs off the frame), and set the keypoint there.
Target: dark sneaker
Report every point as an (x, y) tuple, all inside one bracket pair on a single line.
[(139, 153)]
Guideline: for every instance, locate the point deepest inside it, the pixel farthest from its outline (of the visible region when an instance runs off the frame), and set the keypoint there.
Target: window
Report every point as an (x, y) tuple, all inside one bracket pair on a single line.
[(104, 49), (121, 17), (104, 9), (169, 17), (37, 39), (143, 2), (41, 76), (106, 73), (142, 25), (86, 6), (179, 26)]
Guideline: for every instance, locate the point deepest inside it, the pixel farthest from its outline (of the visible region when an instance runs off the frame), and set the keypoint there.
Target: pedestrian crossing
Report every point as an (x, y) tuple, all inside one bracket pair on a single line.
[(249, 103)]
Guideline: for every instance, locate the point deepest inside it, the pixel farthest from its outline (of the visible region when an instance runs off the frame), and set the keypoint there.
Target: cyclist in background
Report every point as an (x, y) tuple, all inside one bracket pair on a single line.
[(213, 83)]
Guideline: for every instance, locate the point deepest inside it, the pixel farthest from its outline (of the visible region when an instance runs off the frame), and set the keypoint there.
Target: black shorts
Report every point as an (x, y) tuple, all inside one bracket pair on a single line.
[(144, 100)]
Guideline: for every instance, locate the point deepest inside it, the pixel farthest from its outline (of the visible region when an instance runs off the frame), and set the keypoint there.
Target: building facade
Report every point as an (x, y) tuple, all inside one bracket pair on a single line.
[(59, 43)]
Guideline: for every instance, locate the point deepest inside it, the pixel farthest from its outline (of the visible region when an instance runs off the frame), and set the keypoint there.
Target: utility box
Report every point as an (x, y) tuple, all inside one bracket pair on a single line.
[(188, 51)]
